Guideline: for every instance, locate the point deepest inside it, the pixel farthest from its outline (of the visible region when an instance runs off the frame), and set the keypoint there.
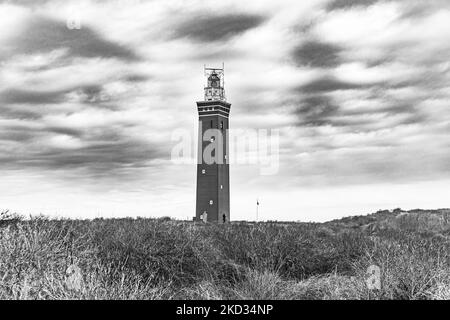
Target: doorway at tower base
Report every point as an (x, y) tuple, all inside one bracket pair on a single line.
[(204, 219)]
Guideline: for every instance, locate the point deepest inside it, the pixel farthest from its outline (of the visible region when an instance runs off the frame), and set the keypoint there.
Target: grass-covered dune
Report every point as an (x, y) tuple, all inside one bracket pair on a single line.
[(140, 258)]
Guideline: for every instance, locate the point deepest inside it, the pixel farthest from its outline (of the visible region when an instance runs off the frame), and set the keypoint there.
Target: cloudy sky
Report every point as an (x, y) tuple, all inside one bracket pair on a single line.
[(358, 91)]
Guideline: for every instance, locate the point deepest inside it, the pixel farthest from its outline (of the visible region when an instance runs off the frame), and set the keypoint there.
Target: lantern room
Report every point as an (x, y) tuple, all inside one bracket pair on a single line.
[(214, 89)]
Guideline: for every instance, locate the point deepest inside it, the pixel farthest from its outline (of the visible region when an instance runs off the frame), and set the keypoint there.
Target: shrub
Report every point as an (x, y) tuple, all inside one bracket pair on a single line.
[(412, 268), (8, 218)]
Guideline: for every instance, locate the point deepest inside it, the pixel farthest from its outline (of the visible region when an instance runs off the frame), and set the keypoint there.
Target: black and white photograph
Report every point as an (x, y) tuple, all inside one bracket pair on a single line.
[(224, 151)]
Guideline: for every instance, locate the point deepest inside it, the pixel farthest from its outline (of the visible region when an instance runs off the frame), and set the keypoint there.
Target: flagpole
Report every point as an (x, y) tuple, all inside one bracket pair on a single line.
[(257, 207)]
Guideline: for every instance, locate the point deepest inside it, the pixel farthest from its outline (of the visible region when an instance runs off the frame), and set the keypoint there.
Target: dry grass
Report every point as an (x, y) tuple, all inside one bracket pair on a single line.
[(163, 259)]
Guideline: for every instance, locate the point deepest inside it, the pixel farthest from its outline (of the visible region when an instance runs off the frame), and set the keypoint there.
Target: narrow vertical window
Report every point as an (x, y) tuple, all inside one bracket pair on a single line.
[(221, 125), (211, 123)]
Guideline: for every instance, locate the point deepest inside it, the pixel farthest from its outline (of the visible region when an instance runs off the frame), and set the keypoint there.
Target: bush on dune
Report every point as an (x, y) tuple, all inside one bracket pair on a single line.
[(413, 268)]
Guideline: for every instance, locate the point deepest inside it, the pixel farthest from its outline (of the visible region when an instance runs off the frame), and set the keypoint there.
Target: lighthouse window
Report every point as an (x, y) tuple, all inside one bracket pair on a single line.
[(203, 171), (211, 123), (211, 202), (221, 186)]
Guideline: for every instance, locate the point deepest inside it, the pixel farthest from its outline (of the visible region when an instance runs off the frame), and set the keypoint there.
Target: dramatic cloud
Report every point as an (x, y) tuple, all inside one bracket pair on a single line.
[(357, 89), (348, 4), (317, 54), (17, 96), (327, 84), (316, 110), (41, 35), (210, 28)]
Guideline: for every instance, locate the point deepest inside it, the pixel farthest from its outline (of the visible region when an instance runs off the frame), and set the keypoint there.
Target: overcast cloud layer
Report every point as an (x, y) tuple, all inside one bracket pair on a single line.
[(358, 89)]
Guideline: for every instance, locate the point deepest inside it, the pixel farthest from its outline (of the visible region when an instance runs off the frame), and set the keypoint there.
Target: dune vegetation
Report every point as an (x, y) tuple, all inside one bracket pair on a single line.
[(42, 258)]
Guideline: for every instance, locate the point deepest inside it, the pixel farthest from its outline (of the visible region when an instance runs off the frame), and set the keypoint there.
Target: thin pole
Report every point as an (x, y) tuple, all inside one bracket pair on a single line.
[(257, 207)]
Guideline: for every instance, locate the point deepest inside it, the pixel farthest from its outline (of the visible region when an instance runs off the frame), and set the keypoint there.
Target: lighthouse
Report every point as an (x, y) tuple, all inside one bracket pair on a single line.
[(213, 172)]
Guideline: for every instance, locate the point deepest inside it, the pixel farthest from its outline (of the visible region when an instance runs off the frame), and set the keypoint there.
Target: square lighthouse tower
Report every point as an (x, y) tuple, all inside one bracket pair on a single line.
[(213, 172)]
